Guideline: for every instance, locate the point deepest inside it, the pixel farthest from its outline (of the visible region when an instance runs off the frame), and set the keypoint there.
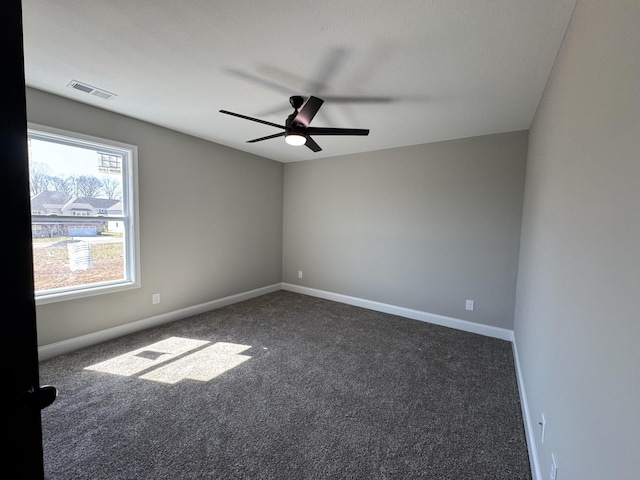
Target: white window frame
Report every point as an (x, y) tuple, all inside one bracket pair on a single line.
[(129, 217)]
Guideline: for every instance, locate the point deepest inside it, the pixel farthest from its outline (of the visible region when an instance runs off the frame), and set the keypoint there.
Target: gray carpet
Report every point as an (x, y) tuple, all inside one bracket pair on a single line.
[(287, 386)]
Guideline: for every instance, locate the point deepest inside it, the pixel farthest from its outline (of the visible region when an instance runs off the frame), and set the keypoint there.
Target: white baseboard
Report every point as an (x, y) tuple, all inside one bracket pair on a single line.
[(486, 330), (529, 424), (66, 346), (72, 344)]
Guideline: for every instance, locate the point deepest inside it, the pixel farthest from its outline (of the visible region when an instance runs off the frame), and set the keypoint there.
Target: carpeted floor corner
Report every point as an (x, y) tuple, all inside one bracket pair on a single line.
[(287, 386)]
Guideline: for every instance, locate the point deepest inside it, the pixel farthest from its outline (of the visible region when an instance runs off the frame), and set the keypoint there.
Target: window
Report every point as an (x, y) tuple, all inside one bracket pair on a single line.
[(84, 214)]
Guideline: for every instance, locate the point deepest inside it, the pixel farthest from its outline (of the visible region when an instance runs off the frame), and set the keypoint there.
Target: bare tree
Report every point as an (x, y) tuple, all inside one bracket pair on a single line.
[(111, 188), (60, 184), (88, 186), (39, 177)]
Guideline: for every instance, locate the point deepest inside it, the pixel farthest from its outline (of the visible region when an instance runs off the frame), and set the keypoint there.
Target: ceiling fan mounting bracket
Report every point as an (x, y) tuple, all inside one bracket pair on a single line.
[(296, 101)]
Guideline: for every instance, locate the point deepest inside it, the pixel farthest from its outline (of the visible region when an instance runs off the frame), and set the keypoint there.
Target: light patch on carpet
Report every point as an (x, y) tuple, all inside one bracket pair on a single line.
[(166, 362), (203, 365)]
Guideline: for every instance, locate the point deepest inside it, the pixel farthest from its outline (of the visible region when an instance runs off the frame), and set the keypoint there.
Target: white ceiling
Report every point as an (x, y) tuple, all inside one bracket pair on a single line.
[(411, 71)]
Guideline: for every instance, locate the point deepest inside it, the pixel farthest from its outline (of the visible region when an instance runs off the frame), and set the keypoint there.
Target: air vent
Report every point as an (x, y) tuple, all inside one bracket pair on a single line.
[(83, 87)]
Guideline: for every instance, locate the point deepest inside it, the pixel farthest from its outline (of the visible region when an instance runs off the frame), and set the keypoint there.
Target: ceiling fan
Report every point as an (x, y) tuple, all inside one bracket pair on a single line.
[(296, 128)]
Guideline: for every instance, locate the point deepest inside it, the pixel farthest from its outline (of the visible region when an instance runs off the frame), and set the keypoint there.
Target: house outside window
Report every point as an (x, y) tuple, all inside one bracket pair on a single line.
[(84, 214)]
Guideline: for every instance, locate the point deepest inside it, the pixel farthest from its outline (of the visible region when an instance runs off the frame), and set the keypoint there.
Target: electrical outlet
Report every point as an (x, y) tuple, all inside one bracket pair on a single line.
[(299, 273), (470, 304), (553, 470), (155, 298)]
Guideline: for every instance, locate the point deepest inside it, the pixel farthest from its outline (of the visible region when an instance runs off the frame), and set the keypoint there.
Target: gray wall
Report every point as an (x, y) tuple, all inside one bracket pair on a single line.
[(210, 221), (423, 227), (577, 325)]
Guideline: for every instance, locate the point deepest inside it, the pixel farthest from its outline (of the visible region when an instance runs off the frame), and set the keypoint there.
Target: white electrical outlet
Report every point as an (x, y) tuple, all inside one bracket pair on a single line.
[(470, 304), (543, 424), (155, 298), (553, 471), (299, 273)]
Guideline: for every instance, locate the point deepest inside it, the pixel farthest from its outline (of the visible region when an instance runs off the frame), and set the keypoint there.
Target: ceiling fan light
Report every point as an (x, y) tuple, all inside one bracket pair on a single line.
[(295, 139)]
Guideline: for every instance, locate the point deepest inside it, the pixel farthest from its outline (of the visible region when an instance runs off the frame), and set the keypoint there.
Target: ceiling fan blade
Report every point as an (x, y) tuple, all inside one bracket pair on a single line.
[(254, 78), (312, 144), (252, 119), (337, 131), (347, 99), (308, 111), (280, 111), (276, 135)]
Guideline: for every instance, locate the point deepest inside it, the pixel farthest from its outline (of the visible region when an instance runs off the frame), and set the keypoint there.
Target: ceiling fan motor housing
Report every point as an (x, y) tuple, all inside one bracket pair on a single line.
[(291, 126)]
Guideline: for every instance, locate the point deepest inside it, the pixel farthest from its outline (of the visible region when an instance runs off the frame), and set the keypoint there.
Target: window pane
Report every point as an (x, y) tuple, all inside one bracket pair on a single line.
[(81, 213)]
